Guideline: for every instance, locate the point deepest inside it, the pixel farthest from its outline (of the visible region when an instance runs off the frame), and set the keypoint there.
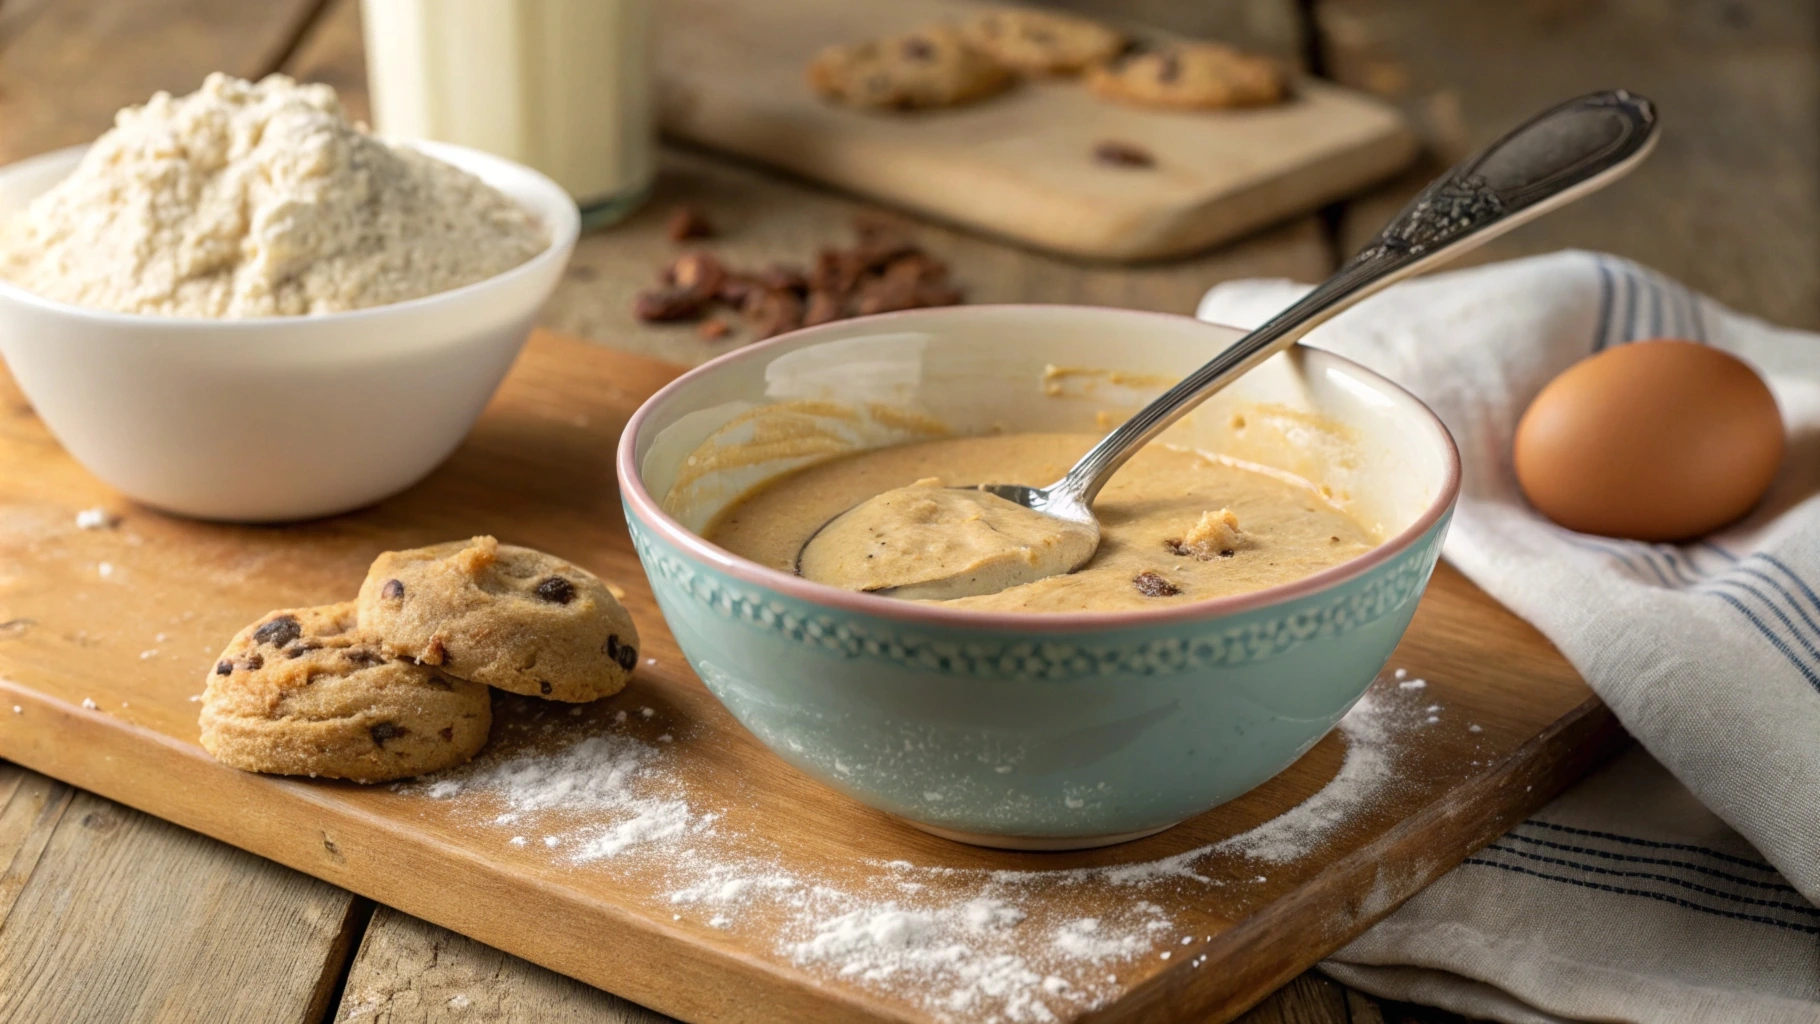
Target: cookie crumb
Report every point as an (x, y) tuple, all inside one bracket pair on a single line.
[(96, 518), (89, 703), (104, 569), (666, 738), (646, 712), (17, 710), (1114, 153)]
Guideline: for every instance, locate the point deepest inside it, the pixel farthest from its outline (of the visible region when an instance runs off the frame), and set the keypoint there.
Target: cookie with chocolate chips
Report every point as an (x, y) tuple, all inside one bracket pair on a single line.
[(502, 615), (1042, 42), (1197, 76), (304, 692), (932, 67)]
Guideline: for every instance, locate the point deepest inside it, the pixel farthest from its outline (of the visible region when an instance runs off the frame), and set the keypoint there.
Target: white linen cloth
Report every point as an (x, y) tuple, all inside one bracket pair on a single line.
[(1680, 882)]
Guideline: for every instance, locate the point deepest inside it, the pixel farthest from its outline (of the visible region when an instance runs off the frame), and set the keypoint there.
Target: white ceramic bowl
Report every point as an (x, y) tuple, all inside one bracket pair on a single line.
[(282, 417)]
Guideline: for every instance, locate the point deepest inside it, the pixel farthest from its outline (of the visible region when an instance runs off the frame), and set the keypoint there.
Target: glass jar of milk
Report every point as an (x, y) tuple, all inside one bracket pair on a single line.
[(561, 85)]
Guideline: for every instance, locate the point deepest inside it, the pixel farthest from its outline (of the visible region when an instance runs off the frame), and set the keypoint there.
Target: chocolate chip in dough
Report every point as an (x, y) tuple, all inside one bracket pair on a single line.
[(393, 590), (224, 668), (255, 661), (1151, 585), (556, 590), (386, 731), (625, 654), (543, 687), (917, 48), (278, 632), (447, 733)]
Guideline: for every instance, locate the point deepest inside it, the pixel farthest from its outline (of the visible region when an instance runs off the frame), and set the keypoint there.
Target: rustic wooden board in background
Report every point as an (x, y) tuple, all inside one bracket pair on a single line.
[(137, 640), (1019, 164)]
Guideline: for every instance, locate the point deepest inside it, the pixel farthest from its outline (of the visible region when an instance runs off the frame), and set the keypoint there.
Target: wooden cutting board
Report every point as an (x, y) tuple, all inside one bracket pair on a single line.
[(106, 636), (1019, 164)]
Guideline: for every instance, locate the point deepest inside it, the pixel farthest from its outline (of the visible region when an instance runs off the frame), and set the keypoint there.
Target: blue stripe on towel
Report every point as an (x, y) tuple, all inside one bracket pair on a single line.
[(1790, 573), (1775, 641), (1664, 897), (1802, 909), (1605, 289), (1653, 844), (1631, 858)]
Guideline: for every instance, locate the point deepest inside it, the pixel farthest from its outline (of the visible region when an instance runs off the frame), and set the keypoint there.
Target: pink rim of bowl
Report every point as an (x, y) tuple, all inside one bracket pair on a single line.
[(632, 487)]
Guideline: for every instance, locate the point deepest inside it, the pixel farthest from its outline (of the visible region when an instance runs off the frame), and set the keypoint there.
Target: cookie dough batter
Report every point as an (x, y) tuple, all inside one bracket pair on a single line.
[(1176, 526)]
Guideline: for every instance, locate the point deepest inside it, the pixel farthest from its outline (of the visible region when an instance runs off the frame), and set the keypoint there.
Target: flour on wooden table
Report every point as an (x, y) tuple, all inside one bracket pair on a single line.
[(961, 944)]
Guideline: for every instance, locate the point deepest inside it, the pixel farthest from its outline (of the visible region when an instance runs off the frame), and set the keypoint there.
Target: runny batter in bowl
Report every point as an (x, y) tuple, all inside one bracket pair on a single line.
[(1176, 526)]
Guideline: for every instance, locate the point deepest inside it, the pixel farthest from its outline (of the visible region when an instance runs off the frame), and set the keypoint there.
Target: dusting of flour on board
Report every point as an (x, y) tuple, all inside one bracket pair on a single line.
[(961, 944)]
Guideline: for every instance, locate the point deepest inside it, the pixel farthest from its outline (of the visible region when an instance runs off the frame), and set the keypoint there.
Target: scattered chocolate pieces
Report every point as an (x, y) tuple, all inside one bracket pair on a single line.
[(686, 222), (386, 731), (393, 590), (1151, 585), (885, 270), (1114, 153)]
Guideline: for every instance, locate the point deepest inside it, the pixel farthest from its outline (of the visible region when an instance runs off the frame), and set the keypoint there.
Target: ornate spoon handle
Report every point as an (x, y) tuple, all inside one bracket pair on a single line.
[(1559, 156)]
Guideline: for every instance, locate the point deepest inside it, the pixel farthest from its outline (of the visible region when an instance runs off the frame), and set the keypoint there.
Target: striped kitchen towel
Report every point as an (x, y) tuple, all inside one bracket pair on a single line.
[(1679, 883)]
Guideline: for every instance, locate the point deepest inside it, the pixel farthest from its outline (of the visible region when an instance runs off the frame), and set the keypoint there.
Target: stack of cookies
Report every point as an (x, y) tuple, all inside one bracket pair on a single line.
[(950, 65), (395, 683)]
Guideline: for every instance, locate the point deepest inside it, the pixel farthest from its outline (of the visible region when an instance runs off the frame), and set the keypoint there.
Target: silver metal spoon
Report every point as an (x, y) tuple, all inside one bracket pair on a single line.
[(1557, 157)]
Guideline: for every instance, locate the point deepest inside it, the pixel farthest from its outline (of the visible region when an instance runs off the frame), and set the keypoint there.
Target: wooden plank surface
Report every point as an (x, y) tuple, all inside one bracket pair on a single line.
[(1729, 202), (536, 471), (128, 918)]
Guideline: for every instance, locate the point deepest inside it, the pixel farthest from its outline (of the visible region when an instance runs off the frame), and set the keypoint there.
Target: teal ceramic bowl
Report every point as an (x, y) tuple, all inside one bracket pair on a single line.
[(1031, 731)]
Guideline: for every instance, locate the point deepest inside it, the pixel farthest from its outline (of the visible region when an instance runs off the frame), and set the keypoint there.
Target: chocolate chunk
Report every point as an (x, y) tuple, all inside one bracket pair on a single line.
[(674, 303), (1114, 153), (278, 632), (362, 656), (556, 590), (824, 307), (301, 649), (836, 272), (393, 590), (687, 222), (699, 272), (386, 731), (447, 733), (919, 49), (1151, 585), (224, 668), (625, 654), (774, 312), (254, 661), (440, 681), (543, 687), (780, 276)]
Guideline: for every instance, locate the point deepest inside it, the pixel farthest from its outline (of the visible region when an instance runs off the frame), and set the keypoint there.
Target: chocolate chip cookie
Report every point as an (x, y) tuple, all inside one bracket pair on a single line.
[(1042, 42), (1197, 76), (304, 692), (933, 67), (505, 616)]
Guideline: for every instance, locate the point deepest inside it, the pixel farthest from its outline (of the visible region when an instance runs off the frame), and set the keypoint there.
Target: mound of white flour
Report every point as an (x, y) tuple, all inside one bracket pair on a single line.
[(249, 199)]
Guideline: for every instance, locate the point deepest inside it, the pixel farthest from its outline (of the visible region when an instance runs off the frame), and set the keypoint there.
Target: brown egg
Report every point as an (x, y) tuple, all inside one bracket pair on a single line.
[(1656, 440)]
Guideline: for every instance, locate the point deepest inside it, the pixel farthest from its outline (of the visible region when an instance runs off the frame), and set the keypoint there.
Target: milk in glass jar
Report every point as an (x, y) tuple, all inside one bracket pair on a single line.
[(564, 86)]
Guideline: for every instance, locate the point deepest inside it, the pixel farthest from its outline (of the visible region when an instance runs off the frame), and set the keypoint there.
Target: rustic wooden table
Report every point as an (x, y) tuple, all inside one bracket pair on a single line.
[(109, 915)]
